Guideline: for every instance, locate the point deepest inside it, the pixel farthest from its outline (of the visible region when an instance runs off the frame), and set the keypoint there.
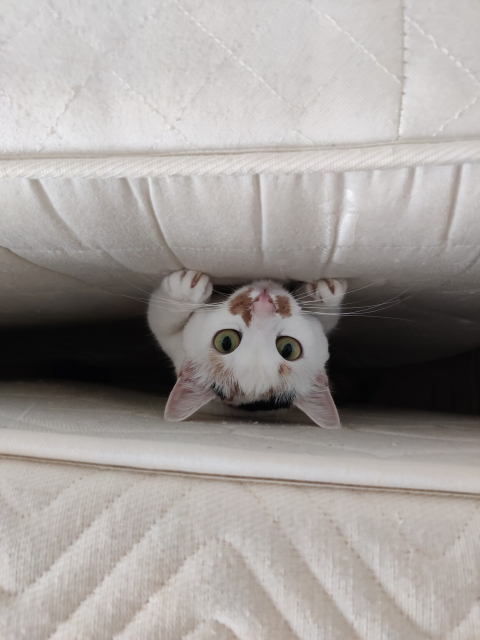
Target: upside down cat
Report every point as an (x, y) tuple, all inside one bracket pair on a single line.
[(261, 348)]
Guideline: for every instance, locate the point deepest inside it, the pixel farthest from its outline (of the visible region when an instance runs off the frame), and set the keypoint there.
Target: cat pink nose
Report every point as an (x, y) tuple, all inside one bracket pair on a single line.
[(263, 305)]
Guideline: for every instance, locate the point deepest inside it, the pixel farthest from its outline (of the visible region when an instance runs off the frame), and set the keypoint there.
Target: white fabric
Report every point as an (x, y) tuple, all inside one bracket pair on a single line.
[(90, 424), (244, 139), (335, 159), (87, 552), (83, 77), (284, 140), (77, 249)]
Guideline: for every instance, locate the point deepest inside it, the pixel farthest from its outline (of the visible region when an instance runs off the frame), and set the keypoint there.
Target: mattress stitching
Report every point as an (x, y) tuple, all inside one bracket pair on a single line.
[(75, 93), (457, 63), (403, 10), (371, 571), (310, 484), (144, 250), (215, 69), (398, 155), (419, 551), (106, 508), (155, 522), (200, 547), (301, 556), (230, 52), (368, 53), (154, 109)]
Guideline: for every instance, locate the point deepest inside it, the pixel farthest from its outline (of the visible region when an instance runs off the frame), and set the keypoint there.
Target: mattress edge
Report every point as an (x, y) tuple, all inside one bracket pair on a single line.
[(224, 462), (322, 160)]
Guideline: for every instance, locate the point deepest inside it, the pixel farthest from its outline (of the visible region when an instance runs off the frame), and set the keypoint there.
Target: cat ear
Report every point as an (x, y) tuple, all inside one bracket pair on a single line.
[(319, 405), (187, 396)]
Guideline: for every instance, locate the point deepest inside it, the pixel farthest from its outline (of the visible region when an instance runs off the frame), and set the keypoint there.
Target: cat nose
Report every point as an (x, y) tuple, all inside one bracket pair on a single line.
[(263, 305)]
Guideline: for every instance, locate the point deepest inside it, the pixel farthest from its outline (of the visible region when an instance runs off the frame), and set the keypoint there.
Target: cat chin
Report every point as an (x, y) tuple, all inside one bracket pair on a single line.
[(223, 410)]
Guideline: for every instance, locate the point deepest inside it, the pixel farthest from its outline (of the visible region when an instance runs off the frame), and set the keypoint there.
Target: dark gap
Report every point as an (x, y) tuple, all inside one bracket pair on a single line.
[(124, 354)]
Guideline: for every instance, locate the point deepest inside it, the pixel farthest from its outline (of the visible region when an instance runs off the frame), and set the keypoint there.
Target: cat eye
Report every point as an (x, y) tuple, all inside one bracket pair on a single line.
[(227, 340), (289, 348)]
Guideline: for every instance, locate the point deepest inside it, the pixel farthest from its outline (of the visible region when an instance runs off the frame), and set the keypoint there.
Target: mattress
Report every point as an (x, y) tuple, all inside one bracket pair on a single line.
[(275, 139), (214, 529), (191, 566)]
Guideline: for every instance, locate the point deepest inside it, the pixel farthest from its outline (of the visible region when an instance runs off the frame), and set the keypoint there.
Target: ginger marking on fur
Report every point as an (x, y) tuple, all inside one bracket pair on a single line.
[(283, 306), (242, 305), (284, 369)]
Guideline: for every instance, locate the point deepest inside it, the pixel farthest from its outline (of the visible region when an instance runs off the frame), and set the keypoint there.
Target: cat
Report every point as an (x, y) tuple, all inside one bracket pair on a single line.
[(260, 348)]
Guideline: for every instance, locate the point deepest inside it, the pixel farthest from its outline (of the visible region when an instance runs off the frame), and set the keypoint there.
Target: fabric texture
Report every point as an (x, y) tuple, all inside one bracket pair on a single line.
[(188, 76), (293, 141), (407, 239), (377, 447), (97, 553), (244, 139)]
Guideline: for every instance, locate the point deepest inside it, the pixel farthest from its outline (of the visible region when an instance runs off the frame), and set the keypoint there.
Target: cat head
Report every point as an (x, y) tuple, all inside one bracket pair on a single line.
[(257, 350)]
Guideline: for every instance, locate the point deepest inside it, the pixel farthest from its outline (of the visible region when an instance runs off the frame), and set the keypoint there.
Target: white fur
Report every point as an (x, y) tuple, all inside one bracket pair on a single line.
[(185, 325)]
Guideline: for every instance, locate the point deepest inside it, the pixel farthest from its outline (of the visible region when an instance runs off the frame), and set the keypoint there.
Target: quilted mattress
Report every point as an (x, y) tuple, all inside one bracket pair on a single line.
[(244, 139)]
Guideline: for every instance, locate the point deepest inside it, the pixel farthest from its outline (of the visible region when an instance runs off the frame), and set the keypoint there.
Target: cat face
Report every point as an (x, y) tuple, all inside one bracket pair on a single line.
[(255, 350)]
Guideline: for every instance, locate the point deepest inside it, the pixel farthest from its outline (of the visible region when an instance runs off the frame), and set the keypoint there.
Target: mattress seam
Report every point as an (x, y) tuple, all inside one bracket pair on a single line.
[(277, 162), (240, 479)]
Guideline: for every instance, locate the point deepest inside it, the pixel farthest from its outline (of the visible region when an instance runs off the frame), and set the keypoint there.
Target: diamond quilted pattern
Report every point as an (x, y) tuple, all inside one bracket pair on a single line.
[(128, 555), (431, 73), (178, 75), (52, 64), (366, 23)]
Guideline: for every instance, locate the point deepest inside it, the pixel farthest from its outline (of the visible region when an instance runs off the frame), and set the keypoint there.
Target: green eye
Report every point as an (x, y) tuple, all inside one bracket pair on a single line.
[(226, 341), (289, 348)]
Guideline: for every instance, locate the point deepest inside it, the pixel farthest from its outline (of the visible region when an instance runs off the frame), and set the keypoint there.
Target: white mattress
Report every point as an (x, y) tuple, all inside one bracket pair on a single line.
[(296, 542), (115, 553), (183, 76), (376, 448), (349, 147), (288, 531), (288, 140)]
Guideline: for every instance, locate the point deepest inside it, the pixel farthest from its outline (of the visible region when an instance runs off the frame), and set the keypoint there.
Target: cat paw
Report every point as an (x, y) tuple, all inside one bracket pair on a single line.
[(329, 291), (187, 286)]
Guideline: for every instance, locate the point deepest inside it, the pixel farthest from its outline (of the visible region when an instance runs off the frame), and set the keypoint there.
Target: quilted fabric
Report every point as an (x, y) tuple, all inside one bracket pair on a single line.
[(377, 447), (359, 123), (88, 77), (95, 553)]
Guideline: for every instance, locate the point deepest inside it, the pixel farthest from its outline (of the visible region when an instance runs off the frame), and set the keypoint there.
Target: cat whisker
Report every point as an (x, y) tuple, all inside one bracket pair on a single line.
[(362, 310), (366, 315), (355, 305), (366, 286), (371, 284), (148, 293), (172, 305)]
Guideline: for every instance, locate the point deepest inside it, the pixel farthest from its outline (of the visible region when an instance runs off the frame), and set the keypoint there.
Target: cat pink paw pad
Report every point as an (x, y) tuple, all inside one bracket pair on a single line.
[(330, 291), (188, 286)]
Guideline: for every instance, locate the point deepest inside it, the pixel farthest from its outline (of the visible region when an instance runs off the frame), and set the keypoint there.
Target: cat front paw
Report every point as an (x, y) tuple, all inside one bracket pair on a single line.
[(187, 286), (329, 291)]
